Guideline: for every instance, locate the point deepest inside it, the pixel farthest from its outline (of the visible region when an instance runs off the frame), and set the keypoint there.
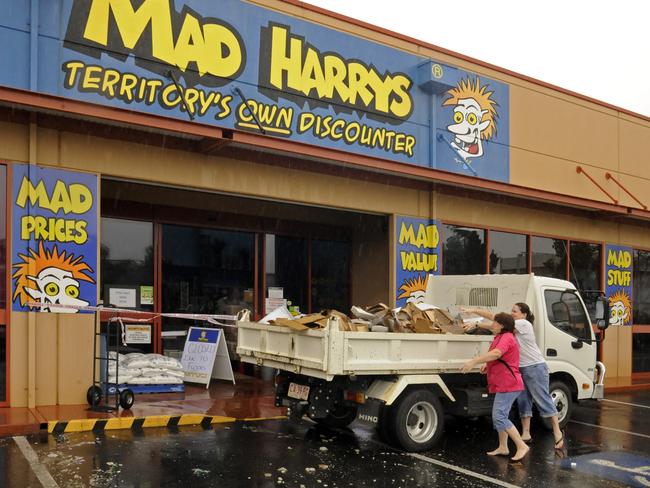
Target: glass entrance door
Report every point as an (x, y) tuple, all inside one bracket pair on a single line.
[(205, 271)]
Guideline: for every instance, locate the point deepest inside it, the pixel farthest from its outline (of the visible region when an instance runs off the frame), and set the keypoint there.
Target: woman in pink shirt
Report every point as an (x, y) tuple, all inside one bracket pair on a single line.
[(504, 380)]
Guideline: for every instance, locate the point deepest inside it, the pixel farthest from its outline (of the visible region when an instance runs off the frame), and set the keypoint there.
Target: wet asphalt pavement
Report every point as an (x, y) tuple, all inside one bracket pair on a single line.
[(608, 446)]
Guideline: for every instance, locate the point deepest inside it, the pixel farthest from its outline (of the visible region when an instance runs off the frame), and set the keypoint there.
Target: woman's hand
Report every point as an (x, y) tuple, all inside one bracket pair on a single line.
[(470, 327), (483, 368), (466, 309), (468, 366)]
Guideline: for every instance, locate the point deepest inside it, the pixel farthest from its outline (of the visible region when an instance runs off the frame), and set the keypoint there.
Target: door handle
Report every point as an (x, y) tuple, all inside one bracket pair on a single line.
[(576, 344), (551, 353)]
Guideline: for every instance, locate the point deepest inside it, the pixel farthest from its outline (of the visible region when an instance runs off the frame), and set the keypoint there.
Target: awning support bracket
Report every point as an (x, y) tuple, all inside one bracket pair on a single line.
[(608, 176), (580, 170), (181, 91), (241, 95)]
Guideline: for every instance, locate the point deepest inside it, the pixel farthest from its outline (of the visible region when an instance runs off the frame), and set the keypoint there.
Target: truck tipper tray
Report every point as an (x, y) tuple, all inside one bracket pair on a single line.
[(326, 353)]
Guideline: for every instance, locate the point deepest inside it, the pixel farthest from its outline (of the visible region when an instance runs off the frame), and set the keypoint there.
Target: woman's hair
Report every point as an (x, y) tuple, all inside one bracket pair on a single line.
[(506, 321), (525, 309)]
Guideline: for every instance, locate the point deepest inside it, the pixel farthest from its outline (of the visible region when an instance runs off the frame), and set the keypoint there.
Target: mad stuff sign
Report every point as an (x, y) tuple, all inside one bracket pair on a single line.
[(234, 64), (54, 244), (418, 255), (618, 276)]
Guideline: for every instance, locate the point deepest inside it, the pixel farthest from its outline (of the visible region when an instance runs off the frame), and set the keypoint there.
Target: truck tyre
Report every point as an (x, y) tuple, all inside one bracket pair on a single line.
[(341, 417), (561, 395), (418, 420)]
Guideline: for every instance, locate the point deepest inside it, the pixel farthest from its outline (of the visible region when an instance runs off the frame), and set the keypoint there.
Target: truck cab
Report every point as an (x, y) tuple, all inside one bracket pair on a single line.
[(562, 325)]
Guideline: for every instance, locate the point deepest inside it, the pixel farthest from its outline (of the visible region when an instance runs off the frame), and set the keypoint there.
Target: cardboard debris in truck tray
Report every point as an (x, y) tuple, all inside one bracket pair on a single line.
[(412, 318)]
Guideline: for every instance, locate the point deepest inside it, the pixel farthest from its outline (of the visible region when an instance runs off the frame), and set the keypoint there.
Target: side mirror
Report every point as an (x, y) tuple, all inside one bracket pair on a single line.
[(602, 312)]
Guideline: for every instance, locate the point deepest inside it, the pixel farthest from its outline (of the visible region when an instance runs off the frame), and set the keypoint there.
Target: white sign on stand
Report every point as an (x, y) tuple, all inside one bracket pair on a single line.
[(205, 356)]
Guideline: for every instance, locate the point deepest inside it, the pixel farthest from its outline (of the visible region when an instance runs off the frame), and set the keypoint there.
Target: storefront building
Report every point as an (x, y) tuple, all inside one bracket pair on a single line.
[(186, 156)]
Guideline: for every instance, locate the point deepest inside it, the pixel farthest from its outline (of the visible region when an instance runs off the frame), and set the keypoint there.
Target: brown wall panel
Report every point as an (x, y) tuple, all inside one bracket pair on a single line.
[(635, 149), (14, 141), (75, 339), (18, 365), (47, 351), (554, 127)]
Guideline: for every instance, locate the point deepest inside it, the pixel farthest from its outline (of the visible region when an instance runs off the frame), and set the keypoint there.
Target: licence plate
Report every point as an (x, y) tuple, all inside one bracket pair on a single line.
[(299, 392)]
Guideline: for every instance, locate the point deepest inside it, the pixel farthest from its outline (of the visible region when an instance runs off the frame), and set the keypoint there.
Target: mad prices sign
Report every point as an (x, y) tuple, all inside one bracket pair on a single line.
[(54, 239), (618, 286), (418, 255)]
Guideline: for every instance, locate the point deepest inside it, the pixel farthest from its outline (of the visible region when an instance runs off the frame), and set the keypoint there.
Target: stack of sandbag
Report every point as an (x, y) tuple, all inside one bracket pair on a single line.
[(146, 369)]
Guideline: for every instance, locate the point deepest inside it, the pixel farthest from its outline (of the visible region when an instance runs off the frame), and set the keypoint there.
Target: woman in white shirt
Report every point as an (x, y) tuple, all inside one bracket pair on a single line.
[(534, 372)]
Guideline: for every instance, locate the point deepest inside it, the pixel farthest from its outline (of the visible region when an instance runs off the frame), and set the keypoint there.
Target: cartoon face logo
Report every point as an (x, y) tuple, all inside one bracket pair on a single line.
[(474, 117), (414, 290), (619, 308), (55, 280)]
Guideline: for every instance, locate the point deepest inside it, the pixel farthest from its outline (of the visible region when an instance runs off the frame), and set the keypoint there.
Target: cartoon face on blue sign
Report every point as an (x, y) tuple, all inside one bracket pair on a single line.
[(474, 117), (54, 239), (618, 266), (237, 65), (418, 255), (473, 128)]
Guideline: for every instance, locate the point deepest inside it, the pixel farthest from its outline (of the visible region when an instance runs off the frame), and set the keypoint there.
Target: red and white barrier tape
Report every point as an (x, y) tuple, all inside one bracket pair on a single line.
[(211, 318)]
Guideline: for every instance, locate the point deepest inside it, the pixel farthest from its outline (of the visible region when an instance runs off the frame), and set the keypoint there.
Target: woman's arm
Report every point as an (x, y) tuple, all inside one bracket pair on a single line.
[(492, 355), (479, 311)]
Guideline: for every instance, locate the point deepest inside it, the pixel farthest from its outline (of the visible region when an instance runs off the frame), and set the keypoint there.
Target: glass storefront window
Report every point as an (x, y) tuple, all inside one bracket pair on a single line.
[(3, 236), (127, 259), (641, 288), (204, 271), (3, 283), (640, 353), (549, 257), (330, 275), (286, 267), (585, 264), (508, 253), (463, 250)]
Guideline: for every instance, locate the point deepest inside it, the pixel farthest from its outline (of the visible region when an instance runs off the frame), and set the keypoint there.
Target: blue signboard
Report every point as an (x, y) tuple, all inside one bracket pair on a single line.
[(630, 469), (618, 283), (417, 256), (204, 336), (54, 244), (232, 64)]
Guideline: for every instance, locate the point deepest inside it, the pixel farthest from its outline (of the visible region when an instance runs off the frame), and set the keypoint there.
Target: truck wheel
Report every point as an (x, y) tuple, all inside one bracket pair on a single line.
[(418, 420), (561, 395), (341, 417)]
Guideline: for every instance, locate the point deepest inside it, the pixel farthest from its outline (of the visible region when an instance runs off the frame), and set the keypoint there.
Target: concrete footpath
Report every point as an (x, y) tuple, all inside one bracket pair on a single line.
[(249, 399)]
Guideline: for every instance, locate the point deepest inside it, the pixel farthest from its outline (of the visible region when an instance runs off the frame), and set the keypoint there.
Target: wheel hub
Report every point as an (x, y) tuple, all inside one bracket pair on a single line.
[(421, 422)]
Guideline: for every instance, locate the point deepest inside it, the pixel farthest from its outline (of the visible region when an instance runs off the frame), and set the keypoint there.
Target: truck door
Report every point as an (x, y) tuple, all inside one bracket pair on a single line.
[(569, 343)]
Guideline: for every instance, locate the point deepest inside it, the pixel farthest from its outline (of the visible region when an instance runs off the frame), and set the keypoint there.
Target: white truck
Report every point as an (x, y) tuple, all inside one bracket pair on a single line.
[(405, 383)]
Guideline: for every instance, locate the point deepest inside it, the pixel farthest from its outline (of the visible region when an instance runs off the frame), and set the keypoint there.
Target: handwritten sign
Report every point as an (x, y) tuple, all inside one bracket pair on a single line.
[(205, 356)]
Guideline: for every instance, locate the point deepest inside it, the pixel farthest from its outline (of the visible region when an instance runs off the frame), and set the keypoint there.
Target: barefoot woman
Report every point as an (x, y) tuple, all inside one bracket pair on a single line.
[(505, 381)]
